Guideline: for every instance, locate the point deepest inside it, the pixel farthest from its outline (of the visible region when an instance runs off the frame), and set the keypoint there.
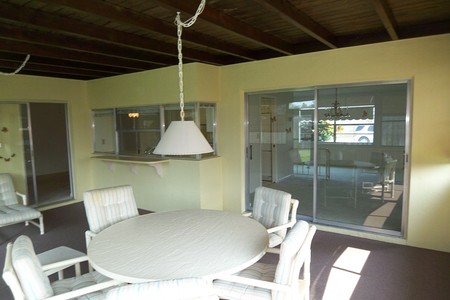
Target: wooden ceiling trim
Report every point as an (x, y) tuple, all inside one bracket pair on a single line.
[(302, 21), (218, 18), (387, 18)]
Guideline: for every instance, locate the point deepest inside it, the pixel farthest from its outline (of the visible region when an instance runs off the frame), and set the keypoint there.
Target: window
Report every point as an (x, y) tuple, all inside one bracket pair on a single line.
[(104, 131), (138, 130), (135, 131), (394, 130), (346, 115)]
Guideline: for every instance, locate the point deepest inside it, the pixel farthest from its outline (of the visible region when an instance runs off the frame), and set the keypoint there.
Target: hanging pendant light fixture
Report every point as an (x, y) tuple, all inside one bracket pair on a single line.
[(336, 111), (183, 137)]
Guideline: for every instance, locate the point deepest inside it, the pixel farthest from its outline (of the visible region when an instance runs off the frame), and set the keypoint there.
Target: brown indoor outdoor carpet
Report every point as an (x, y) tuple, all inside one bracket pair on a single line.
[(342, 267)]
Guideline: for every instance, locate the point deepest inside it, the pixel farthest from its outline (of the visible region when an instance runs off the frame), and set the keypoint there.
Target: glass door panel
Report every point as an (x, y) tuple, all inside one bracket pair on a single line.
[(363, 186), (339, 150), (34, 149)]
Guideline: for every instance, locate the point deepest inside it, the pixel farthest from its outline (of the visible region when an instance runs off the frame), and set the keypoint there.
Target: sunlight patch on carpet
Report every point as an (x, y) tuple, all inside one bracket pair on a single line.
[(345, 274)]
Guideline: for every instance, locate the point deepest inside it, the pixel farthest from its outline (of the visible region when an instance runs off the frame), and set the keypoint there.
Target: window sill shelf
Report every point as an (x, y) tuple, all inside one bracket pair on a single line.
[(133, 162)]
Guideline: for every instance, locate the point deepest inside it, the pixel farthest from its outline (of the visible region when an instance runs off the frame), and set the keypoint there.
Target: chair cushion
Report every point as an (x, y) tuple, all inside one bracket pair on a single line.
[(16, 213), (288, 251), (35, 284), (75, 283), (7, 192), (260, 271), (108, 206), (271, 208), (180, 289)]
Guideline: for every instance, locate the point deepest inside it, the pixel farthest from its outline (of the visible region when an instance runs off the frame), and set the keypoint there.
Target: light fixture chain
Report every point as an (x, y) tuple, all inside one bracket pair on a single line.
[(180, 64), (180, 26), (19, 68)]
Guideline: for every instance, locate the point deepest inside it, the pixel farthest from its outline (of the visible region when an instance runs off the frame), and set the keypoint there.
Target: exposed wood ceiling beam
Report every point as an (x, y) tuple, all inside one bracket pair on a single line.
[(80, 44), (297, 18), (5, 64), (125, 16), (44, 62), (225, 21), (387, 18), (66, 54), (24, 15)]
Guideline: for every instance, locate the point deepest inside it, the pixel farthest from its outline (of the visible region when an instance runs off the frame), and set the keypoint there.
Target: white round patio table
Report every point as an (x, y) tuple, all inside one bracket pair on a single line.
[(178, 244)]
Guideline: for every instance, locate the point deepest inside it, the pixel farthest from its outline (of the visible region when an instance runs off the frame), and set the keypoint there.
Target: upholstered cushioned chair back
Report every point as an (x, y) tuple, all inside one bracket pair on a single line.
[(10, 276), (180, 289), (108, 206), (271, 208), (35, 284), (7, 191), (295, 252)]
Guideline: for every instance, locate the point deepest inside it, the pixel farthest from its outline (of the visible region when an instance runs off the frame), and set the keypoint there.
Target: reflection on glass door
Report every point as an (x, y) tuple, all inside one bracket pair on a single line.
[(38, 142), (342, 153)]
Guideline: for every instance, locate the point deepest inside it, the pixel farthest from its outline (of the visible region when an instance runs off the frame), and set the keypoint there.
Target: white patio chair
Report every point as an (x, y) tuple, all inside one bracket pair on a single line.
[(281, 281), (271, 208), (108, 206), (61, 253), (179, 289), (27, 278), (385, 177), (13, 212)]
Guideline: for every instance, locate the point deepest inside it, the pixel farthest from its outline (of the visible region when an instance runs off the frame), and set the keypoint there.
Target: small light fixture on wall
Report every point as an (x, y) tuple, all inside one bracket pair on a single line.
[(183, 137)]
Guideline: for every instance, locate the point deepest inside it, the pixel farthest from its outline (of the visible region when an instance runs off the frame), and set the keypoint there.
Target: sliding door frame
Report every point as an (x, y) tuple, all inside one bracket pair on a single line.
[(406, 165)]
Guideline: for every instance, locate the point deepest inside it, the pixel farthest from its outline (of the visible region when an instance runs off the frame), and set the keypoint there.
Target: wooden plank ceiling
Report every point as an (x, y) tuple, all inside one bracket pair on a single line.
[(88, 39)]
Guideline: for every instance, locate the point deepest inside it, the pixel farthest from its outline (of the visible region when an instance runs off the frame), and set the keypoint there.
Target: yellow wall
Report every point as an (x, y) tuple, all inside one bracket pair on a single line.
[(184, 184), (425, 60), (188, 184), (11, 145), (201, 84)]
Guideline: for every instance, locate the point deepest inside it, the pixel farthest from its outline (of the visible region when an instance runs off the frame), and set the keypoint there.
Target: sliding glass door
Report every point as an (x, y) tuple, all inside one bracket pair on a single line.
[(34, 149), (340, 150)]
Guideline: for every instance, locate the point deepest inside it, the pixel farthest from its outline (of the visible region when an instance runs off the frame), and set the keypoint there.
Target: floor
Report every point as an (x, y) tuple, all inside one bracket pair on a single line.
[(340, 199), (342, 267)]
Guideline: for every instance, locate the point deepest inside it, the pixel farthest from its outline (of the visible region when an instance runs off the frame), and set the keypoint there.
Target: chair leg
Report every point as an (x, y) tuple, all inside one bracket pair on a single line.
[(41, 224), (88, 240)]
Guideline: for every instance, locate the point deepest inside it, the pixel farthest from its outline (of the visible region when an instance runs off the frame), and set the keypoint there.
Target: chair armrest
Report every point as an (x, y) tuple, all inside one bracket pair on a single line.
[(85, 290), (292, 221), (24, 198), (256, 282), (279, 227), (64, 263)]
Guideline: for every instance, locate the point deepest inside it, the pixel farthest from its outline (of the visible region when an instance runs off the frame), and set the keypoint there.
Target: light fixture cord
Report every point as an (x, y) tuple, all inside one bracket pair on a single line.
[(19, 68), (180, 26)]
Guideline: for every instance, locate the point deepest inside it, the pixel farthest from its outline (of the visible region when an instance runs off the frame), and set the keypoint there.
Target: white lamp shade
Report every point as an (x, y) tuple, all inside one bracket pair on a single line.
[(182, 138)]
